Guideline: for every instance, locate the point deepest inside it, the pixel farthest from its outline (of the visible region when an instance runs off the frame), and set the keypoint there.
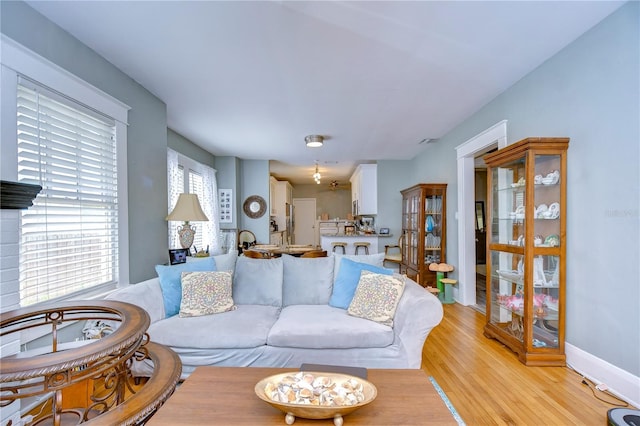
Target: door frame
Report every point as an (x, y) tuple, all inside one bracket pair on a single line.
[(466, 153)]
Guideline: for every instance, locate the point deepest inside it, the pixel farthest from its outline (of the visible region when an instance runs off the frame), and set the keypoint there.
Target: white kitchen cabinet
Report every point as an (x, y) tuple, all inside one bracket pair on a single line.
[(282, 195), (272, 195), (364, 190)]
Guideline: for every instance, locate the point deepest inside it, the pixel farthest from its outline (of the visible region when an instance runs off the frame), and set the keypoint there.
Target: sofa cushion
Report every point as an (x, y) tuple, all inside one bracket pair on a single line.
[(245, 327), (258, 281), (206, 293), (307, 281), (169, 276), (344, 286), (376, 259), (226, 262), (147, 295), (377, 297), (322, 326)]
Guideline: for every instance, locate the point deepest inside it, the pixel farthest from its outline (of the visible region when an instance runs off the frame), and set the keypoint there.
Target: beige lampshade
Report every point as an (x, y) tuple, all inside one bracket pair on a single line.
[(187, 209)]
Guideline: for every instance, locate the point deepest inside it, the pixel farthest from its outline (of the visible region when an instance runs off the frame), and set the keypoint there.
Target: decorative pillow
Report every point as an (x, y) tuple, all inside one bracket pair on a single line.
[(170, 281), (347, 279), (206, 293), (377, 297), (375, 259)]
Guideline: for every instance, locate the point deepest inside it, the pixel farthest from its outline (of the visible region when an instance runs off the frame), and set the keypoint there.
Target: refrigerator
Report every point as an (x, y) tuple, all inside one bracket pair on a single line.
[(290, 223)]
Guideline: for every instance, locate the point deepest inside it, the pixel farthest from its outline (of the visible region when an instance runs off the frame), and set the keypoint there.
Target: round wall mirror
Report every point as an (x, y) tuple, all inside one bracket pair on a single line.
[(254, 206)]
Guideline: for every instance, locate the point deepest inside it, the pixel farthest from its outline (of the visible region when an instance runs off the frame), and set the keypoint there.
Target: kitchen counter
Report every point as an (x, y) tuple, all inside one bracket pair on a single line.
[(372, 239)]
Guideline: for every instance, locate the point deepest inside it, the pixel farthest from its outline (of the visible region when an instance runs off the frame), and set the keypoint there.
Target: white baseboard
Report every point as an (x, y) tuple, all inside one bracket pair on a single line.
[(620, 382)]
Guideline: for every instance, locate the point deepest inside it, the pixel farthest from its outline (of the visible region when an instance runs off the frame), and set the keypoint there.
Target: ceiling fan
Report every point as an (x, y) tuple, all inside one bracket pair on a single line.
[(337, 185)]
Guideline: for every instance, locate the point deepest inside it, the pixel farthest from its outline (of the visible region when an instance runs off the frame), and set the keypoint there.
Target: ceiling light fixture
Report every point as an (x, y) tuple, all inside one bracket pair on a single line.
[(314, 141), (316, 175)]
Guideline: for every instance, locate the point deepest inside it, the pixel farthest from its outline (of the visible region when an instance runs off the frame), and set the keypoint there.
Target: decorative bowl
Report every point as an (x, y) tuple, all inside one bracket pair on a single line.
[(308, 411)]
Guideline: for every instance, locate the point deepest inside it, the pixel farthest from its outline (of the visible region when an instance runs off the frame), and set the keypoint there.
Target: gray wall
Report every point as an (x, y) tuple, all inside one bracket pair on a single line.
[(184, 146), (393, 177), (228, 173), (336, 203), (589, 92), (254, 181)]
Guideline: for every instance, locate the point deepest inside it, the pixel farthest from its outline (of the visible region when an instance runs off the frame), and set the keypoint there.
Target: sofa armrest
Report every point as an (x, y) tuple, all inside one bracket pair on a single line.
[(418, 312), (146, 294)]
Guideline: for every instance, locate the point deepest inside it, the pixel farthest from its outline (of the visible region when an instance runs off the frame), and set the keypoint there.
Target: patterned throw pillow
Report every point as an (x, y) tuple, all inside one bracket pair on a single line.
[(206, 293), (377, 297)]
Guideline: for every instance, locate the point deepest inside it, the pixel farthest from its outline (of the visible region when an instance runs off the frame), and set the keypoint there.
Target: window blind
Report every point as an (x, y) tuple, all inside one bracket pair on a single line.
[(69, 237)]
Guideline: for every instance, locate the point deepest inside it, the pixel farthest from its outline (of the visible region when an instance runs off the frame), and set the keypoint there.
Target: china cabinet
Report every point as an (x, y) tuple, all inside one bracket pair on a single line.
[(424, 230), (526, 249)]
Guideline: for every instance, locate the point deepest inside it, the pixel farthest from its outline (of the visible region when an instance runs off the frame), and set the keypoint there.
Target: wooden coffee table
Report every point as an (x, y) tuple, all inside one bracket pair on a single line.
[(225, 396)]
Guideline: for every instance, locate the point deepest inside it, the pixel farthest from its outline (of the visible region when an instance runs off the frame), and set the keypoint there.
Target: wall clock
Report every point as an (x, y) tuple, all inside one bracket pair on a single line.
[(254, 206)]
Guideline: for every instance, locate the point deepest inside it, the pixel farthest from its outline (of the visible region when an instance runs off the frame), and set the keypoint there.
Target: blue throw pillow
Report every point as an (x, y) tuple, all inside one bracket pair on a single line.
[(347, 280), (170, 281)]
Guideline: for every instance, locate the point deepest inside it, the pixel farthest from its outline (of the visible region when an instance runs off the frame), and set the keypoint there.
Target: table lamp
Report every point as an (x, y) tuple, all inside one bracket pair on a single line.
[(187, 209)]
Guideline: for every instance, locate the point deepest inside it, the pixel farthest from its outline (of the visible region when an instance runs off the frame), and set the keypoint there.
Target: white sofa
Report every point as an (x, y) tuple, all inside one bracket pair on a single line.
[(283, 319)]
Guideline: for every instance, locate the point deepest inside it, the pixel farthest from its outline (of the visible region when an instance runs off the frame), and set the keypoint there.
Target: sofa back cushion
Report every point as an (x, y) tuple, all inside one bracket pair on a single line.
[(258, 281), (226, 262), (307, 281)]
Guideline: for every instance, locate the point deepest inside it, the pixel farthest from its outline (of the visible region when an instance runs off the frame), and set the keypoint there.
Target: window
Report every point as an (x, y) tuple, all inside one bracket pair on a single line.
[(69, 237), (187, 175)]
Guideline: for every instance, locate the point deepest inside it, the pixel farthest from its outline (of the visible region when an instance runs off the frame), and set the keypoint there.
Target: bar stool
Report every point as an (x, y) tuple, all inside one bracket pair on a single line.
[(363, 245), (336, 245)]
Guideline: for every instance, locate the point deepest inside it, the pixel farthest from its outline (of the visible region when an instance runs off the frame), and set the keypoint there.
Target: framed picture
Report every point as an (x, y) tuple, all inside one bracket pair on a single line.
[(177, 256), (384, 231), (225, 201)]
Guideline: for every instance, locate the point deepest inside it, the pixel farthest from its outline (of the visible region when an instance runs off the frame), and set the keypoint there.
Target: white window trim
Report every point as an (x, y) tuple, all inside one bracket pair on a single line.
[(17, 59)]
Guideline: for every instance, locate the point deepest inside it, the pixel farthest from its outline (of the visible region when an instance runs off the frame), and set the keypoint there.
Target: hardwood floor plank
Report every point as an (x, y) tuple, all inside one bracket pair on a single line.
[(487, 384)]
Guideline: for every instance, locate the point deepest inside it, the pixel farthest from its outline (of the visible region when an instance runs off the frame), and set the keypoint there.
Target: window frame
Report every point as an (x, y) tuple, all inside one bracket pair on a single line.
[(188, 165), (18, 60)]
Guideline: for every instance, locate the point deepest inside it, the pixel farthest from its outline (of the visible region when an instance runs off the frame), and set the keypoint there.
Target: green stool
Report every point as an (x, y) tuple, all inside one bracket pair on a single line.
[(448, 290)]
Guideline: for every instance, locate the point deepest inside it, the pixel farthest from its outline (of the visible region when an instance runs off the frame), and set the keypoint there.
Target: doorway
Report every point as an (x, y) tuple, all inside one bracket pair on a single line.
[(481, 235), (304, 219), (495, 136)]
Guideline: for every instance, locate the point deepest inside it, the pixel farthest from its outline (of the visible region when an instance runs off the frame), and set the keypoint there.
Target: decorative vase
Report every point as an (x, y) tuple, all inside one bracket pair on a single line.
[(186, 233)]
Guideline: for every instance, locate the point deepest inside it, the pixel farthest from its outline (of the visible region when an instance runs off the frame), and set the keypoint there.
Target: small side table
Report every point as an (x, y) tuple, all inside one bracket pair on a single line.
[(448, 290)]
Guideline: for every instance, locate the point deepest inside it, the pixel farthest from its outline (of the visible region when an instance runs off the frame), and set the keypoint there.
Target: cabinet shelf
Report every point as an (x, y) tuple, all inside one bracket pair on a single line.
[(526, 254)]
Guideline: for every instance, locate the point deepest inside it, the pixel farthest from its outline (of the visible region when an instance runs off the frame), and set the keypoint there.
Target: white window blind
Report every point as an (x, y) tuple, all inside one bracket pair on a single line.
[(69, 237)]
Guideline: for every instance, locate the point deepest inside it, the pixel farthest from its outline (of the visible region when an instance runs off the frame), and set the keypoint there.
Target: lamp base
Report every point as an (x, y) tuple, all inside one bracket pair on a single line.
[(186, 233)]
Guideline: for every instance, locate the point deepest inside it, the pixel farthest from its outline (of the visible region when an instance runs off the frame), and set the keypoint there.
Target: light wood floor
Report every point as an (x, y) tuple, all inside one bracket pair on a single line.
[(487, 384)]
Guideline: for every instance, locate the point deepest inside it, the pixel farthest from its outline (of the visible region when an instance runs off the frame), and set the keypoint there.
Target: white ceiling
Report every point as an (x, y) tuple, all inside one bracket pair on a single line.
[(252, 79)]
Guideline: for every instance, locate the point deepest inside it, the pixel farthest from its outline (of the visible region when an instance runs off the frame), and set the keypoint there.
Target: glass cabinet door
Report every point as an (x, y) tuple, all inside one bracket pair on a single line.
[(508, 204), (545, 301), (547, 206), (433, 228), (507, 293)]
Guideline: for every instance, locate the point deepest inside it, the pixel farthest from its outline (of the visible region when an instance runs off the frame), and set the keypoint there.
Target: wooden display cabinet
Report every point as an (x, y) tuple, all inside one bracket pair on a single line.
[(526, 246), (424, 230)]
